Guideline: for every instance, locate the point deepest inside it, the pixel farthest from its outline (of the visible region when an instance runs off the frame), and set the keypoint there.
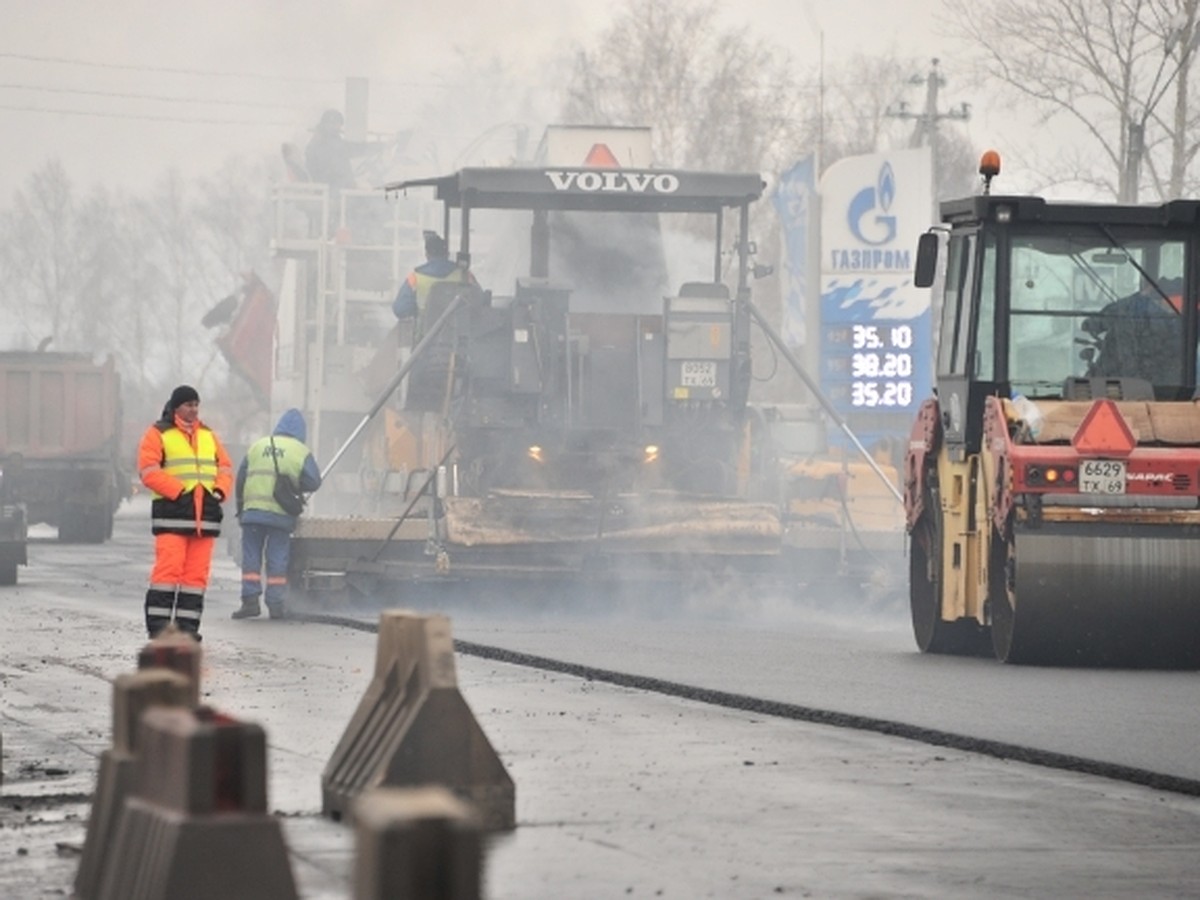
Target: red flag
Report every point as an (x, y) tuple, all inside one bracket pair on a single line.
[(249, 342)]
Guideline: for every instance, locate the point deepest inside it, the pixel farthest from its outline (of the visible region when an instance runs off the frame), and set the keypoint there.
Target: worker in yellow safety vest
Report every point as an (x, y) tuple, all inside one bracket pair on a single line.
[(182, 462), (267, 524), (414, 292)]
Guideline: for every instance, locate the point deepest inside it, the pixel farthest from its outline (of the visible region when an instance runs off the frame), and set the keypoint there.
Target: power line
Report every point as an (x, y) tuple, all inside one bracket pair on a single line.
[(145, 118), (133, 96), (212, 73), (129, 67)]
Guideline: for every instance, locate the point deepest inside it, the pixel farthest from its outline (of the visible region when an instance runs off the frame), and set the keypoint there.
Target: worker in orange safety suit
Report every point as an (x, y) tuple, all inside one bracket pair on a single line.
[(182, 462)]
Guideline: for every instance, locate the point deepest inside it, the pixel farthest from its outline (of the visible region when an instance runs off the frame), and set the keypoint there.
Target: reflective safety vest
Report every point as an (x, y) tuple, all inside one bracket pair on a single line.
[(422, 284), (190, 465), (258, 491)]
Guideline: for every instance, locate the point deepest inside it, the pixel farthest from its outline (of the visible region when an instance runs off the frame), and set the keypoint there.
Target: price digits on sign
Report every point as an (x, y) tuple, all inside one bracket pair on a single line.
[(873, 337), (874, 393), (881, 352)]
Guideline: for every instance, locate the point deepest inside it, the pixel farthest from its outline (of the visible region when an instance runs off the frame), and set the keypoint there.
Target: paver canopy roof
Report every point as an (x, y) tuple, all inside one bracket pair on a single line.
[(565, 188)]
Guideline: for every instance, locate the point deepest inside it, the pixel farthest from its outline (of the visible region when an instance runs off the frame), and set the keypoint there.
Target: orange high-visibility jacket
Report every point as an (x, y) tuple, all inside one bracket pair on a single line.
[(172, 461)]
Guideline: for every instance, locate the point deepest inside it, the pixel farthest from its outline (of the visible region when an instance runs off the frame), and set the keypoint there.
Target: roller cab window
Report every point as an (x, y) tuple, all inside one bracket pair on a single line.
[(1098, 302)]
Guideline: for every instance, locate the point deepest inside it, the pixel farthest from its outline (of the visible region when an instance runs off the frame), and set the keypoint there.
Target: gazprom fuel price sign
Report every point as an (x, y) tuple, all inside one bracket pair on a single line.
[(876, 336), (881, 365), (875, 365)]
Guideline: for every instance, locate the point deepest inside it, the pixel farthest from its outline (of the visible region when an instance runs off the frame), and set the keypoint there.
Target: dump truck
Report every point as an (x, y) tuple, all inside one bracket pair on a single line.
[(1052, 483), (61, 418)]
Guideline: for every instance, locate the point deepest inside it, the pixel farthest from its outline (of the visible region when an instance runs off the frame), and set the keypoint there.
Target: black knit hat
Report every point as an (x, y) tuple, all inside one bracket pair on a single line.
[(435, 245), (185, 393)]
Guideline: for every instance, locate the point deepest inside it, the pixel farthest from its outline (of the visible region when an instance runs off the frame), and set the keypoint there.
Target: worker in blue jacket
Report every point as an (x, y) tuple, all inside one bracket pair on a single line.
[(414, 292), (266, 526)]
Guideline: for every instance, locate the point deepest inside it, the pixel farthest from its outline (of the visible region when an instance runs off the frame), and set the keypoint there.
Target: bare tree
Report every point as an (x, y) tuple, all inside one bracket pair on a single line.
[(1106, 65), (716, 98), (133, 310), (233, 223), (98, 313), (862, 97), (79, 273), (957, 173), (37, 254), (169, 241), (131, 276), (490, 121)]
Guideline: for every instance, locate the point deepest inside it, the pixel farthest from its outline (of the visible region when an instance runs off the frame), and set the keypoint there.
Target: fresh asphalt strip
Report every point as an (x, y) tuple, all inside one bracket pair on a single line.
[(998, 749)]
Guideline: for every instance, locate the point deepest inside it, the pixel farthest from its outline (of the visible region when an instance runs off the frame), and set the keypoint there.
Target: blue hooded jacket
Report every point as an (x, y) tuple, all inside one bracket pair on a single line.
[(291, 424)]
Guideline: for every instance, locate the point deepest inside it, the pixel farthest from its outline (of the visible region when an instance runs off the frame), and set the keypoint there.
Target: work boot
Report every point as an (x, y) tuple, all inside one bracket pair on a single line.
[(248, 610), (276, 610)]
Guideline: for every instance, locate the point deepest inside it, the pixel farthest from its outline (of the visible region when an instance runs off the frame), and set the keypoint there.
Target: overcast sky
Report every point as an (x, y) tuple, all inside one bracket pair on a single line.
[(123, 94)]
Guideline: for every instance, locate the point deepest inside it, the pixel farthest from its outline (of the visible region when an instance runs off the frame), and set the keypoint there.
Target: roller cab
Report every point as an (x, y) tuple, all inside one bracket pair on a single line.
[(1052, 484)]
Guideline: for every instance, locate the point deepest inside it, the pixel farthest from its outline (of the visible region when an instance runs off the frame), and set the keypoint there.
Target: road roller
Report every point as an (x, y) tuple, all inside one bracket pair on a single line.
[(1052, 482)]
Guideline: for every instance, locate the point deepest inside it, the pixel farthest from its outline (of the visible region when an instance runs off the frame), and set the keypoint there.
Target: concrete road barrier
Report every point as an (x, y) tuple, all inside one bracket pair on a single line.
[(196, 825), (412, 728), (174, 650), (416, 844), (133, 694)]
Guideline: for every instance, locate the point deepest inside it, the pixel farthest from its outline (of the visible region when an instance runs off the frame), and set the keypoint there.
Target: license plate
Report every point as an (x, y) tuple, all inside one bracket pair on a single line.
[(699, 374), (1101, 476)]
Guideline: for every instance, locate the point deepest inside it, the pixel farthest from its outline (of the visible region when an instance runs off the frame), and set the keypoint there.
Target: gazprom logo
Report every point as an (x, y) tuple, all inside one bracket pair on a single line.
[(872, 223), (868, 211)]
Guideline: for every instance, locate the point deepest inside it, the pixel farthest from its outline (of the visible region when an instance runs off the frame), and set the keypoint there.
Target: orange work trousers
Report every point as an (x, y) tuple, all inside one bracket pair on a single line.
[(182, 563)]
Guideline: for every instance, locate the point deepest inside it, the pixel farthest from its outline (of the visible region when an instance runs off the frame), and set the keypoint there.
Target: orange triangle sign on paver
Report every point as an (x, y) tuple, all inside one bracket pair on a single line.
[(600, 157), (1104, 431)]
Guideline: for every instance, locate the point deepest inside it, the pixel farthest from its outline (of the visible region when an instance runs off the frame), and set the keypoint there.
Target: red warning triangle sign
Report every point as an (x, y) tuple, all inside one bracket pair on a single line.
[(600, 157), (1104, 431)]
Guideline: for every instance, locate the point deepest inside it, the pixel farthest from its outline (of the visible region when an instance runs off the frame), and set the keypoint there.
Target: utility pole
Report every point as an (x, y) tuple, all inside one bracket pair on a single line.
[(815, 24), (1183, 37), (1136, 146), (821, 102), (925, 132)]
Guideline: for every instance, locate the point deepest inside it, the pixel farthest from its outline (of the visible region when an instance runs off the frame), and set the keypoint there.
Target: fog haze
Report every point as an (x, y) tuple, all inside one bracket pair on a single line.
[(122, 96)]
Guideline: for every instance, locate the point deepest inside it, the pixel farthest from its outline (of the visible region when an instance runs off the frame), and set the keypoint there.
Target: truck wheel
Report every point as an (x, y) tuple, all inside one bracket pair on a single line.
[(8, 573), (933, 634), (85, 525), (68, 527)]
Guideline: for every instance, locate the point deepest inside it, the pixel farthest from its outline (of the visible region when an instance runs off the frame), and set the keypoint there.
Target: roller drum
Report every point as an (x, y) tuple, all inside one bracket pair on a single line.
[(1119, 595)]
